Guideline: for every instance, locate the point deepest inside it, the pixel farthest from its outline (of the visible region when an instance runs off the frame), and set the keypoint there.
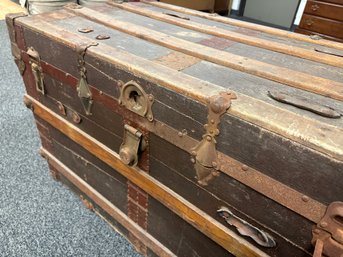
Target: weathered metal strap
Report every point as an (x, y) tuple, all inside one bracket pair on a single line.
[(190, 213), (107, 206)]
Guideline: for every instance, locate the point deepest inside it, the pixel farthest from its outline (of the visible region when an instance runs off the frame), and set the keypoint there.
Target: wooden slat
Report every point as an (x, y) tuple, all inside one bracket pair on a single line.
[(286, 76), (237, 37), (190, 213), (107, 206), (247, 25)]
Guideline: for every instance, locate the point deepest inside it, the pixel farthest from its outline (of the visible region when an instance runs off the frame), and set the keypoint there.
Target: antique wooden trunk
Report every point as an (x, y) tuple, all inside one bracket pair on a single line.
[(193, 134)]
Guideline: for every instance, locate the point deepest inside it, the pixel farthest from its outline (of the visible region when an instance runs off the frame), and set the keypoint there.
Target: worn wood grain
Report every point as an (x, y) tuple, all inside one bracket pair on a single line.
[(247, 25), (237, 37)]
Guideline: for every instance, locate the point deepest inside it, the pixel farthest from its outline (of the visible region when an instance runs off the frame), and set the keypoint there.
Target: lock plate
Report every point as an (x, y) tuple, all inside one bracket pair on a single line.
[(134, 98), (37, 70), (133, 143)]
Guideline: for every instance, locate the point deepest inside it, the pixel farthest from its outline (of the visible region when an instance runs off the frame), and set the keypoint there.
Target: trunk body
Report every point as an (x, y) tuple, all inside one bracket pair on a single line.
[(190, 133)]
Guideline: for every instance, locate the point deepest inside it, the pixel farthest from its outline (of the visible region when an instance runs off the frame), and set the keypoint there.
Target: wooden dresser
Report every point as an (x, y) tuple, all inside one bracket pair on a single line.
[(324, 18)]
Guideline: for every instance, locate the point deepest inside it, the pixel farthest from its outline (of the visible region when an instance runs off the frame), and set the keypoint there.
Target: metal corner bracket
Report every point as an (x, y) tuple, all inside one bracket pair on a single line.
[(204, 155)]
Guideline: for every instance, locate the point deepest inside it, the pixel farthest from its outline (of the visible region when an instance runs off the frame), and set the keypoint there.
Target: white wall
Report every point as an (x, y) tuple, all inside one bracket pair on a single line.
[(235, 4), (300, 12)]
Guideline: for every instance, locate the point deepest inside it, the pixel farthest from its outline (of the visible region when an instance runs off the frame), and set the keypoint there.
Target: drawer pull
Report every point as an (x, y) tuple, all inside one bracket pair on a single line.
[(315, 7), (309, 22)]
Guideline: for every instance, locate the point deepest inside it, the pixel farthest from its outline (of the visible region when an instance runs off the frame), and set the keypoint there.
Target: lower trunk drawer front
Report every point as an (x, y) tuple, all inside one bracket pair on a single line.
[(184, 165)]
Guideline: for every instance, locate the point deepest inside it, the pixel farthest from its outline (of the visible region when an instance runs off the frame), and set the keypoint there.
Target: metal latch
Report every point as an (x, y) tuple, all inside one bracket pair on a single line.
[(36, 68), (133, 143), (83, 90), (328, 233), (205, 153)]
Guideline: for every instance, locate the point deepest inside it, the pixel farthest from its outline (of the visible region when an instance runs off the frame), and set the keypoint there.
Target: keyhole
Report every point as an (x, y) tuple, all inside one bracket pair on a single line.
[(135, 100)]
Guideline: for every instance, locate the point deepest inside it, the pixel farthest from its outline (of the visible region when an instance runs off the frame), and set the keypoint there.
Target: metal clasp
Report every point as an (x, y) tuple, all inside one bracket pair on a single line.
[(205, 153), (133, 143), (83, 89), (37, 70), (328, 233)]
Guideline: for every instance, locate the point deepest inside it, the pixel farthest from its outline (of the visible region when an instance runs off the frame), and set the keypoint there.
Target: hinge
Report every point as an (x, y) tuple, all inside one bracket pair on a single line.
[(83, 89), (36, 68), (16, 52), (133, 143), (17, 58), (205, 153), (328, 233)]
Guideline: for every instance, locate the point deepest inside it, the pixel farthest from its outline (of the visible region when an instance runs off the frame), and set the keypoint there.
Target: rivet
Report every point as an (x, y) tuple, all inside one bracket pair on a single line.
[(76, 118), (245, 167), (101, 93), (316, 231), (305, 198), (194, 153), (214, 164), (151, 98), (209, 138), (180, 134), (323, 224), (102, 37), (150, 117), (192, 160), (212, 121), (215, 173)]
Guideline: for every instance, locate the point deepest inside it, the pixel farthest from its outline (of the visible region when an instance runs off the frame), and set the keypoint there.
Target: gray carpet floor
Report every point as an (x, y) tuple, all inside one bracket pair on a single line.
[(39, 216)]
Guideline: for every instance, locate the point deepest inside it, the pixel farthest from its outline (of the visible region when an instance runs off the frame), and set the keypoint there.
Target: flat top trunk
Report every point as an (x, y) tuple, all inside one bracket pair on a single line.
[(202, 56)]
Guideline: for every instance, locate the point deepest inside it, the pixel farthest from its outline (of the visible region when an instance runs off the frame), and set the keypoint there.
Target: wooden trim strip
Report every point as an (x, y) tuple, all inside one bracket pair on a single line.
[(286, 76), (190, 213), (237, 37), (271, 188), (107, 206), (247, 25), (308, 132)]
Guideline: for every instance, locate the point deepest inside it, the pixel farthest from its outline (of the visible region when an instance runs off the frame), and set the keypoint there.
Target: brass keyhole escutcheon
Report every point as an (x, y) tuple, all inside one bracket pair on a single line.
[(134, 98)]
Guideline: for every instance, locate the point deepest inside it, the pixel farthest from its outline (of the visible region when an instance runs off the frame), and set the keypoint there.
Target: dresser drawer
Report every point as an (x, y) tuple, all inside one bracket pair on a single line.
[(326, 10), (322, 25), (333, 1)]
